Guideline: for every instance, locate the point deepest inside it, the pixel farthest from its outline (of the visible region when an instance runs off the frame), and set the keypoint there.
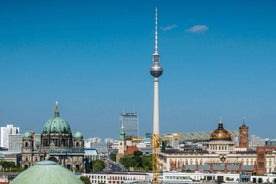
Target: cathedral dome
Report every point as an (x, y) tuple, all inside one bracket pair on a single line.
[(220, 134), (78, 135), (46, 172), (27, 135), (56, 124)]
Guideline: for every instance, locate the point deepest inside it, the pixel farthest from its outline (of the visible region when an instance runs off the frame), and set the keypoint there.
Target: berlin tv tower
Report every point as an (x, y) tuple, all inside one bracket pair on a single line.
[(156, 71)]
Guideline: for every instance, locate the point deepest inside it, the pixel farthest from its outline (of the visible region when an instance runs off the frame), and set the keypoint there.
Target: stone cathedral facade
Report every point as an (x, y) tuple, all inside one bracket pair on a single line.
[(57, 143)]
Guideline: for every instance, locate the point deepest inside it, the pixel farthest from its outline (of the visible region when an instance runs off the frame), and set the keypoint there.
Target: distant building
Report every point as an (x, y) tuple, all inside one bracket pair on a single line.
[(101, 147), (91, 154), (221, 155), (87, 144), (10, 157), (15, 142), (270, 142), (118, 177), (131, 124), (92, 140), (5, 132), (145, 147), (256, 141)]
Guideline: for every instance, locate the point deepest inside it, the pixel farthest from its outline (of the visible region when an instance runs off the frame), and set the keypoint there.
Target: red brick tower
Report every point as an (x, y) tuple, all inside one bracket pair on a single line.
[(243, 136)]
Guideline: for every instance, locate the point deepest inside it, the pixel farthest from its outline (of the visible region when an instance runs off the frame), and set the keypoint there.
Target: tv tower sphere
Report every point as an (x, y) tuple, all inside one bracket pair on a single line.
[(156, 70)]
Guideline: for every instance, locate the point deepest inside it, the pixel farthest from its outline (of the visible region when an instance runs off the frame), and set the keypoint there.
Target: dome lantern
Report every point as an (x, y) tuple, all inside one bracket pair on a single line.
[(56, 111)]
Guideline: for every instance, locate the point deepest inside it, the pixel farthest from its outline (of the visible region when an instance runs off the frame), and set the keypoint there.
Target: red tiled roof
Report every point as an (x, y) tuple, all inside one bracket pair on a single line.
[(130, 150)]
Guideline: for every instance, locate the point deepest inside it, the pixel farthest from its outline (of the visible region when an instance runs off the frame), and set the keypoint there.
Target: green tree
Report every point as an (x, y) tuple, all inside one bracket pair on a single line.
[(138, 161), (85, 179), (98, 165), (6, 166), (138, 158), (112, 156), (125, 160), (147, 162), (137, 153)]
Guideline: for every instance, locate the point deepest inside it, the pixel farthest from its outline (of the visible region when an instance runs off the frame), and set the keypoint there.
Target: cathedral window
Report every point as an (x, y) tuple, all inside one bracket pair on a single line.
[(45, 142)]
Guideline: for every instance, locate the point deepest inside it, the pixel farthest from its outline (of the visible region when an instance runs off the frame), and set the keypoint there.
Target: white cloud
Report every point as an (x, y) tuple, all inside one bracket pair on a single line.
[(198, 29), (168, 28)]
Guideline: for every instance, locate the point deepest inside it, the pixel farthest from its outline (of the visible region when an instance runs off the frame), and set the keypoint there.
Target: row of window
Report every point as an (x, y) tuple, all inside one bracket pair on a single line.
[(221, 147), (186, 162)]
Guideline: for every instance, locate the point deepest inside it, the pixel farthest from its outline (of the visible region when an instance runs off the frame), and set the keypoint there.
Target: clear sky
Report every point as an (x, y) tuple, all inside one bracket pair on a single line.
[(93, 57)]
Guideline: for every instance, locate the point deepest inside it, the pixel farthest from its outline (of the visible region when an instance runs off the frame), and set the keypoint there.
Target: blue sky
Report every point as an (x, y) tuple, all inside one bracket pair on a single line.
[(93, 57)]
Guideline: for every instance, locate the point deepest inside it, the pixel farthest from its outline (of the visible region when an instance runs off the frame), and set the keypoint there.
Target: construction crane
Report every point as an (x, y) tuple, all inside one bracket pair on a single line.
[(155, 158), (188, 136)]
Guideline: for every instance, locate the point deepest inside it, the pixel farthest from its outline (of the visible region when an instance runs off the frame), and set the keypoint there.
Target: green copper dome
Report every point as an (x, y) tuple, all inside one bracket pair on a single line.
[(27, 135), (56, 124), (78, 135), (47, 172)]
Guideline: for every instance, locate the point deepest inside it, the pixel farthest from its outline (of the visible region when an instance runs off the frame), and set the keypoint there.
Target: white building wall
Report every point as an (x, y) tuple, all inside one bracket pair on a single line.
[(5, 132)]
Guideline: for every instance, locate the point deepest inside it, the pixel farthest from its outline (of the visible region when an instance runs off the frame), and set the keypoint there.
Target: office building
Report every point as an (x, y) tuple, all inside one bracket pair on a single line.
[(131, 125), (5, 132)]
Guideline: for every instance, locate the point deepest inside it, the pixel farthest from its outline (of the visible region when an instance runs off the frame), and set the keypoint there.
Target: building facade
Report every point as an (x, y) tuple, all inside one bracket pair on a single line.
[(5, 132), (57, 143), (118, 177), (131, 124), (220, 155)]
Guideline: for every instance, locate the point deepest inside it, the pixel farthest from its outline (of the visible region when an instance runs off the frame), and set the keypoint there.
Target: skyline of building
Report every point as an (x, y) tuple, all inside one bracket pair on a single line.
[(252, 137)]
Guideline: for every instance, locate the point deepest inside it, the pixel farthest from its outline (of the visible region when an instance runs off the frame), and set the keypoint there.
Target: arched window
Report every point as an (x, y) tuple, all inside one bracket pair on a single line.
[(26, 144)]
